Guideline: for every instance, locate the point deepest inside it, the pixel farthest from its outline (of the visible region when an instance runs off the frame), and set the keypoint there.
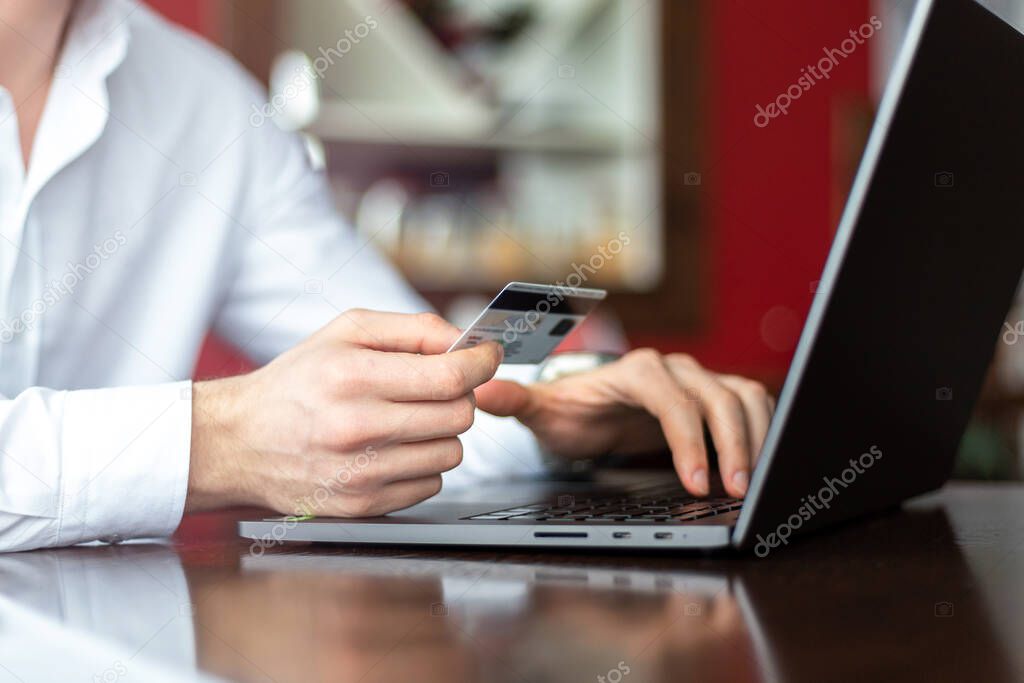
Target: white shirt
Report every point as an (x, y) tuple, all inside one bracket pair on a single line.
[(153, 211)]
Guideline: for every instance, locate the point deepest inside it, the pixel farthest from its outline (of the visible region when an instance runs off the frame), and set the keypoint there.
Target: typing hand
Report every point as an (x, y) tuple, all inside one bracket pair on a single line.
[(358, 420), (640, 403)]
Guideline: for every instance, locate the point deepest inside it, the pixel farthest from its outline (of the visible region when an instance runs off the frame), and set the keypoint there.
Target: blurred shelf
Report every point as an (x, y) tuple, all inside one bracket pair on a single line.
[(490, 284), (429, 127)]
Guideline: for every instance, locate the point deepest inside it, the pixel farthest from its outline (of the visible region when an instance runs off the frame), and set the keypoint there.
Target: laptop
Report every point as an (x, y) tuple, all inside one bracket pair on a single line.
[(908, 311)]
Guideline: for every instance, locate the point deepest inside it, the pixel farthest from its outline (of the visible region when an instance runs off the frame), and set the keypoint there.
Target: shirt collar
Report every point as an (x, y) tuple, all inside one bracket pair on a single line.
[(78, 105), (74, 117), (97, 37)]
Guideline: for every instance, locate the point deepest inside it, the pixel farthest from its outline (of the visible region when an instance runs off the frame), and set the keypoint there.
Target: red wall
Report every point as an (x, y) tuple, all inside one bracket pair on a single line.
[(198, 15), (769, 192)]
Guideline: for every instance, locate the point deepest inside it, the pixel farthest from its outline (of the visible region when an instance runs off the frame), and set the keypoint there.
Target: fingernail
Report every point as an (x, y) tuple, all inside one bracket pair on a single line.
[(741, 480), (699, 478)]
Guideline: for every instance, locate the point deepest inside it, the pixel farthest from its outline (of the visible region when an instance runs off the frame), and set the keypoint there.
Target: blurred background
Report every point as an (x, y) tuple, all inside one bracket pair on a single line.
[(481, 141)]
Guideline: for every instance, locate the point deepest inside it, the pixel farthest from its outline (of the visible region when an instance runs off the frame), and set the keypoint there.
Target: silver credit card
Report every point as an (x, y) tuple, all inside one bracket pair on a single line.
[(530, 320)]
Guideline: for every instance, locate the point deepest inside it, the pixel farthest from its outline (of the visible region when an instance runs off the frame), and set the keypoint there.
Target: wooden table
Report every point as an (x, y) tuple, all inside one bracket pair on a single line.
[(933, 592)]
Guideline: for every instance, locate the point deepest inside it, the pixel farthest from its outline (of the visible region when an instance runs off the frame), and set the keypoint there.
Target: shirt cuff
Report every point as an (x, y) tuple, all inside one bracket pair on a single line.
[(125, 462)]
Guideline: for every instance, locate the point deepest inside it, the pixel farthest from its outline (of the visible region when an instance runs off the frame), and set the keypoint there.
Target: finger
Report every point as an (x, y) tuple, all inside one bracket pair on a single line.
[(416, 460), (401, 494), (504, 398), (396, 496), (408, 422), (448, 375), (411, 377), (643, 380), (381, 500), (757, 404), (412, 333), (723, 412)]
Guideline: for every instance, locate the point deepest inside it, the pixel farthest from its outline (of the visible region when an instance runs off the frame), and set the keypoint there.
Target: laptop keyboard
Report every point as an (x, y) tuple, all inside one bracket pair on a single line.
[(662, 504)]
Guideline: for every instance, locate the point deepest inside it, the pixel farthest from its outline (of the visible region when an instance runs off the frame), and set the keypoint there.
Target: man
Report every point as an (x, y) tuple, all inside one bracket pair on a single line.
[(139, 208)]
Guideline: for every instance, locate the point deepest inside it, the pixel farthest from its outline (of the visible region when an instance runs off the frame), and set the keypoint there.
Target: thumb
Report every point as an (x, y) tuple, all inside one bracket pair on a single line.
[(504, 398)]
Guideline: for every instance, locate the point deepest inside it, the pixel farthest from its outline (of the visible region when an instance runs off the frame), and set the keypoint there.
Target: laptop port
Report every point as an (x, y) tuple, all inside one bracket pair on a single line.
[(560, 534), (663, 535), (621, 534)]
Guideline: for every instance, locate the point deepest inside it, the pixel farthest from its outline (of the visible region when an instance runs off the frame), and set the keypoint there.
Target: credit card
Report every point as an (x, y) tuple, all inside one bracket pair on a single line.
[(530, 320)]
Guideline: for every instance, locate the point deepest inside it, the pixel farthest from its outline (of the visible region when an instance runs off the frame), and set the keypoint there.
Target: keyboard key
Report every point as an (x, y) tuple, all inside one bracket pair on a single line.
[(657, 504), (700, 514), (693, 507)]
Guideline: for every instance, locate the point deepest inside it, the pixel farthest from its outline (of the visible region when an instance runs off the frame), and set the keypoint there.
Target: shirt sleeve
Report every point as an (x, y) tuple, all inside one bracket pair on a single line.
[(301, 265), (102, 464)]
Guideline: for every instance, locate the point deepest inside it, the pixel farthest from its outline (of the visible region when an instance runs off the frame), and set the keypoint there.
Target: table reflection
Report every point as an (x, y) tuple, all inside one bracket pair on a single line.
[(351, 617), (103, 613), (310, 613)]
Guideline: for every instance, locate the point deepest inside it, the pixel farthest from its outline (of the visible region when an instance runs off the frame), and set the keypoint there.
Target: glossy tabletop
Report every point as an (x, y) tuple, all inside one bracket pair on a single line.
[(933, 592)]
